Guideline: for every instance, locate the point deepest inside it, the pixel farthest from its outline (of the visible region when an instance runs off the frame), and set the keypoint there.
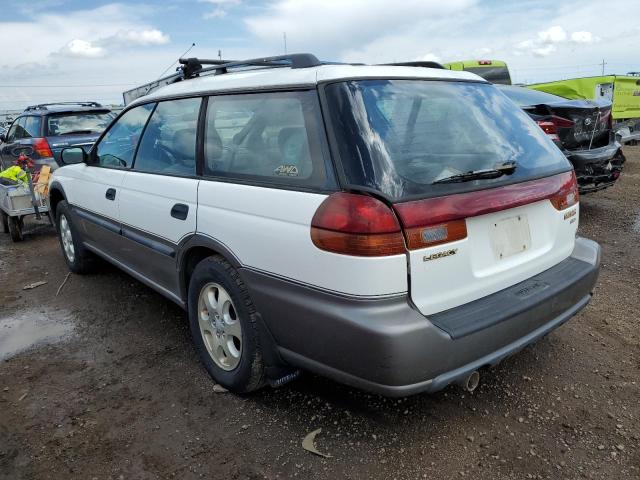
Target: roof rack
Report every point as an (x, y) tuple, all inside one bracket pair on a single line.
[(194, 67), (43, 106), (425, 64)]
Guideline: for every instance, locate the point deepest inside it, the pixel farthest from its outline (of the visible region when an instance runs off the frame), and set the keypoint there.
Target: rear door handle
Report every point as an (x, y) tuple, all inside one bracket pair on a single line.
[(180, 211), (111, 194)]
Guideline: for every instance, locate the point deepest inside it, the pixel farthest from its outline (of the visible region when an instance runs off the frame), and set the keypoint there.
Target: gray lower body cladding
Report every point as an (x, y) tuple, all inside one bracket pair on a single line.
[(597, 168), (388, 347)]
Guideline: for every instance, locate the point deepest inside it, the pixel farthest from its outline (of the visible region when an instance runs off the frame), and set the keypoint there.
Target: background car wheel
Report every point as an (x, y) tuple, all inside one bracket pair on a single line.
[(5, 221), (14, 225), (223, 326), (78, 258)]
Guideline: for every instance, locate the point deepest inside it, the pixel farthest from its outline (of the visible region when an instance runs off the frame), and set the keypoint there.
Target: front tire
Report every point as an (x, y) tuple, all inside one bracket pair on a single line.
[(78, 258), (14, 225), (223, 326)]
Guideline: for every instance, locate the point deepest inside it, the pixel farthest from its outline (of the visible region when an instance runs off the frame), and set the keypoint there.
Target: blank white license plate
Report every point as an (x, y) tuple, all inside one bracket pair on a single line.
[(510, 236)]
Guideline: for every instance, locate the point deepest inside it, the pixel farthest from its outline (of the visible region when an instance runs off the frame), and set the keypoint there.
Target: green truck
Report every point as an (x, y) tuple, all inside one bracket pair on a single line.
[(494, 71), (622, 90)]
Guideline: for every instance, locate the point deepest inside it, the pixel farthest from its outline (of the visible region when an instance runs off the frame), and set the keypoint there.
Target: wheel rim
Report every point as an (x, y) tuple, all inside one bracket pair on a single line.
[(67, 239), (220, 326)]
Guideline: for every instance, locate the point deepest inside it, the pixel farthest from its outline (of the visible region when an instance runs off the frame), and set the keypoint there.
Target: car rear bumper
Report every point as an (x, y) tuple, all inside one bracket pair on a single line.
[(388, 347), (597, 168)]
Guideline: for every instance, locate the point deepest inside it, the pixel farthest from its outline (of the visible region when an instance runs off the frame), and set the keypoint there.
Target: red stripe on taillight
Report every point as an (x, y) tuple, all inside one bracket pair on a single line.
[(420, 215), (356, 225), (41, 147)]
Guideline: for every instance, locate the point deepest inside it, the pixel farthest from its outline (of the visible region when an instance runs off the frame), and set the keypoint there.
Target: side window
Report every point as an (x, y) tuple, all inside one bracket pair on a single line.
[(117, 148), (17, 131), (268, 137), (32, 127), (11, 134), (168, 143)]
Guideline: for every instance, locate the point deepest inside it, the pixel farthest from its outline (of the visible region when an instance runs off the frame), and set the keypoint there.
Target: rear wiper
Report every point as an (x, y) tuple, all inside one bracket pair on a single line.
[(78, 132), (505, 168)]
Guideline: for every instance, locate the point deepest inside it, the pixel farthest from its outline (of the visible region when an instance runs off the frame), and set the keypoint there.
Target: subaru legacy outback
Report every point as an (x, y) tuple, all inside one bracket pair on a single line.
[(393, 228)]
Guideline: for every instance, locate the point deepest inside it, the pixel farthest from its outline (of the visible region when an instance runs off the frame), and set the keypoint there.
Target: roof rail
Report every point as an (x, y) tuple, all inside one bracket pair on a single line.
[(193, 67), (425, 64), (43, 106)]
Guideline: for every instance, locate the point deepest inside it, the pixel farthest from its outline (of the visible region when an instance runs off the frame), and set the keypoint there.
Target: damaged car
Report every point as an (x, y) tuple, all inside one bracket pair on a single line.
[(582, 129)]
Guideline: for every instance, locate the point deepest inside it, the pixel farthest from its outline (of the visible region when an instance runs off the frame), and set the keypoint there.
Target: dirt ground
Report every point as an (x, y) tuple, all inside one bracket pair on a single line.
[(102, 382)]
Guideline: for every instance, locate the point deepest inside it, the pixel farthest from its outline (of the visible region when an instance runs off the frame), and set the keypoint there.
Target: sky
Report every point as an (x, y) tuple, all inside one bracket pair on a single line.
[(57, 50)]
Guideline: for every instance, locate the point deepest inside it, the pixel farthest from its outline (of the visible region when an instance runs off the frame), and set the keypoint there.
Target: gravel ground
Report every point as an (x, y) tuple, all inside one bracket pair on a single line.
[(102, 382)]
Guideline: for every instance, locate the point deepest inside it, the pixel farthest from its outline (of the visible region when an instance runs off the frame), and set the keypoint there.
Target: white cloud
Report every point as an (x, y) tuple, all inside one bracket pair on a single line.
[(82, 49), (346, 29), (555, 34), (544, 51), (221, 7), (142, 37), (582, 37)]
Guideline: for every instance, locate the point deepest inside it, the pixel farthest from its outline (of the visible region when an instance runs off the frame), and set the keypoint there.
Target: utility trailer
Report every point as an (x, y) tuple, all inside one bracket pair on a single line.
[(16, 202)]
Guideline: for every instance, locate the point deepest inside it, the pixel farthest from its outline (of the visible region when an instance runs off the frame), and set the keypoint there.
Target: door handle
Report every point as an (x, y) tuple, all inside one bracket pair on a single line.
[(180, 211), (111, 194)]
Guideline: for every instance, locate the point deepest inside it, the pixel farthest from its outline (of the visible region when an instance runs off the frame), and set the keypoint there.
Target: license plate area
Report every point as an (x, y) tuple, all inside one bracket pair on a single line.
[(510, 236)]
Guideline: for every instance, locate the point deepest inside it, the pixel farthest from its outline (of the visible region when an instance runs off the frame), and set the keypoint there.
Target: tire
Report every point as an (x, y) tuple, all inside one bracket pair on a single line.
[(78, 258), (5, 222), (238, 367), (15, 229)]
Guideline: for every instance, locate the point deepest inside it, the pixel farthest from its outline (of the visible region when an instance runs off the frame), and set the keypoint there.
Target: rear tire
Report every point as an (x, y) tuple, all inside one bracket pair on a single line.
[(15, 229), (224, 326), (78, 258), (5, 222)]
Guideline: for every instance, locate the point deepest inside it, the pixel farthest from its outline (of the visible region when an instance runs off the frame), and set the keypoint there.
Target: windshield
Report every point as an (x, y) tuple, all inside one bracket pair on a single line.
[(78, 123), (525, 96), (400, 136)]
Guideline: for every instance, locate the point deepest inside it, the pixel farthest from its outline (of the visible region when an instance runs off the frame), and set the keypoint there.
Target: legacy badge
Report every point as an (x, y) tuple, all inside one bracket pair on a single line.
[(435, 256)]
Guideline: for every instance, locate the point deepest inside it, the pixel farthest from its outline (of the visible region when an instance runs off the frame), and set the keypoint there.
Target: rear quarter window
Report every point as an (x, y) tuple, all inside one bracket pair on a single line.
[(267, 138)]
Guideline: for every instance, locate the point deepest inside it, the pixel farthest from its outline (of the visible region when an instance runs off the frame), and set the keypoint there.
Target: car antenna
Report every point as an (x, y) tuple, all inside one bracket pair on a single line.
[(175, 61)]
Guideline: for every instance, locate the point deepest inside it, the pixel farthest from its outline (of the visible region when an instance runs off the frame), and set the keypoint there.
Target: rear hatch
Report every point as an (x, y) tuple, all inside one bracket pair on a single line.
[(485, 200), (66, 129), (579, 124)]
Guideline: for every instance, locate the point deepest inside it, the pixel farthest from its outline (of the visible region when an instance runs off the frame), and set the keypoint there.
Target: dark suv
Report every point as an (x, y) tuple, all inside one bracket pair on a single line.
[(42, 131)]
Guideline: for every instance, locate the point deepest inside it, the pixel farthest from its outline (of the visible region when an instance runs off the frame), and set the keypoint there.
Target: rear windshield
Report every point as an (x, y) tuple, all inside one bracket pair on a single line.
[(526, 96), (400, 136), (78, 123)]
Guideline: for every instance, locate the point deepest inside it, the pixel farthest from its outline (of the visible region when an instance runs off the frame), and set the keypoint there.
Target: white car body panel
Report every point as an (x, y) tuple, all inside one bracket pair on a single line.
[(476, 270), (146, 201), (269, 229)]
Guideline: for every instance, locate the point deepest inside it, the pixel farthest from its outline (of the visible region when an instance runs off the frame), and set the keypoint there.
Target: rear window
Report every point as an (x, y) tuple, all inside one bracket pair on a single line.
[(78, 123), (526, 97), (400, 136)]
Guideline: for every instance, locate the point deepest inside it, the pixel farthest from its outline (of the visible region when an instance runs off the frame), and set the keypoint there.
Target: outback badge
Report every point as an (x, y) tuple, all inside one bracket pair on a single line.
[(435, 256)]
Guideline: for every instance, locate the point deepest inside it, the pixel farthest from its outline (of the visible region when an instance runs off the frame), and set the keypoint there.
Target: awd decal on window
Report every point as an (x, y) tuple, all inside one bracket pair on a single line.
[(287, 171)]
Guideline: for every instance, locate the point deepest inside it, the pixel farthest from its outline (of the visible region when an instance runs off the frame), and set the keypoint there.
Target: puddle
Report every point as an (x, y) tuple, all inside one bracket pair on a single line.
[(23, 330)]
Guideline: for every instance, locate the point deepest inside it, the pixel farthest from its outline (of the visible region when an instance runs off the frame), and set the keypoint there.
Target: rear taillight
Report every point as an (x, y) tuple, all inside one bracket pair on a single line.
[(41, 147), (567, 195), (550, 126), (356, 225), (433, 221)]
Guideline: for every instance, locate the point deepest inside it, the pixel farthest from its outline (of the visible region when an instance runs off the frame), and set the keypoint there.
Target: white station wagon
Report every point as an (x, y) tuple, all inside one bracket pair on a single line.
[(394, 228)]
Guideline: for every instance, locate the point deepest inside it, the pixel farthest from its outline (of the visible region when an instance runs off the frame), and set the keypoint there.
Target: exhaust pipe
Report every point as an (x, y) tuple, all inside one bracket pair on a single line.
[(470, 382)]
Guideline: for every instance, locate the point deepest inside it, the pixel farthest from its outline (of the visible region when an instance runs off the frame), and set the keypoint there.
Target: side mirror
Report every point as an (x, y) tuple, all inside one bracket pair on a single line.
[(73, 155)]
